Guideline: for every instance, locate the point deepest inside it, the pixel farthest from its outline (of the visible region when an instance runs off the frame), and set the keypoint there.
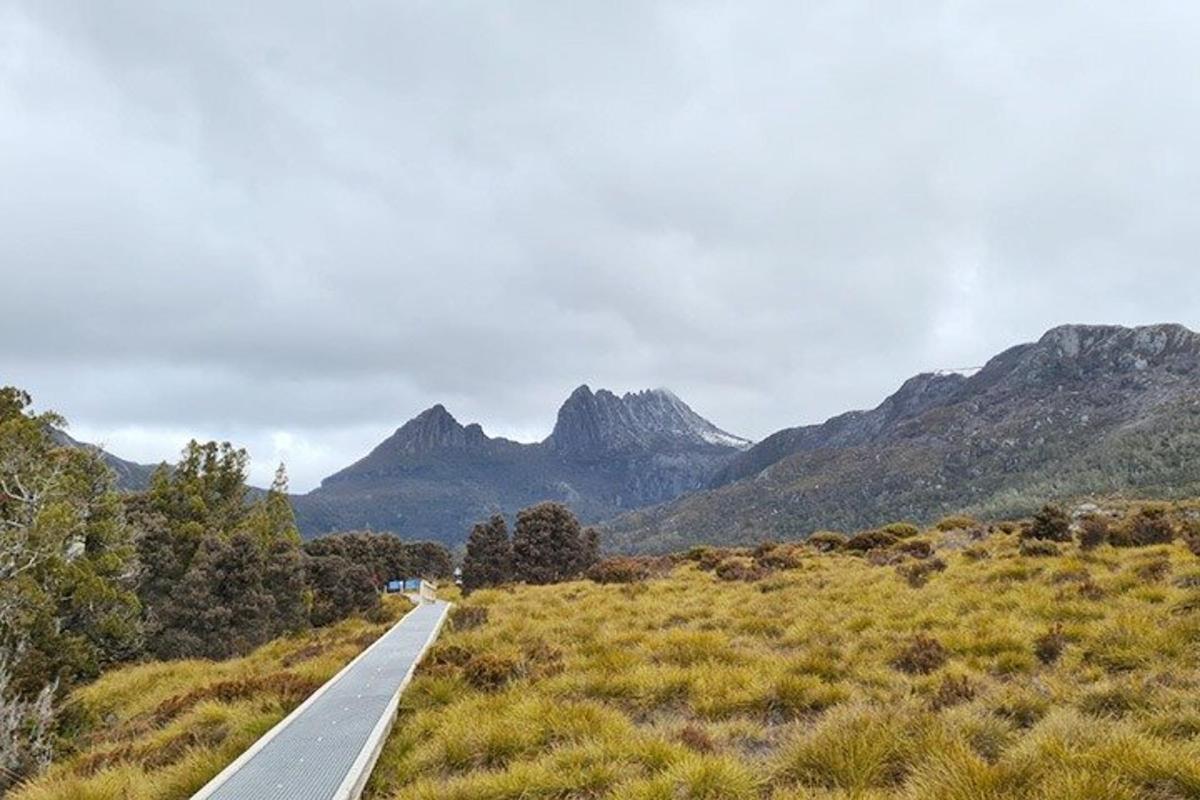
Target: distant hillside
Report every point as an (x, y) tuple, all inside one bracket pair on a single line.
[(434, 477), (131, 476), (1086, 409)]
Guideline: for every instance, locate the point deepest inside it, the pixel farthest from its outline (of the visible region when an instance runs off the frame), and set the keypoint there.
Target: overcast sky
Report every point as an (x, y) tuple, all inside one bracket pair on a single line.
[(297, 224)]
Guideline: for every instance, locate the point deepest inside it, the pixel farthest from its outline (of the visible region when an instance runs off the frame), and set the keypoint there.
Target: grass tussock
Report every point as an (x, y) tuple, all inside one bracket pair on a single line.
[(161, 730), (823, 672)]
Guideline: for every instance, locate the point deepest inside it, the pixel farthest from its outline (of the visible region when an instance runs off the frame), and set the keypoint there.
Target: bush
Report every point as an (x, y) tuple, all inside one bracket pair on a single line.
[(490, 672), (918, 573), (1050, 524), (488, 561), (778, 557), (1093, 532), (1038, 548), (1192, 540), (740, 569), (827, 541), (901, 530), (977, 553), (917, 548), (465, 618), (1148, 527), (1049, 646), (921, 655), (953, 689), (548, 545), (956, 522), (870, 540), (339, 588), (621, 569)]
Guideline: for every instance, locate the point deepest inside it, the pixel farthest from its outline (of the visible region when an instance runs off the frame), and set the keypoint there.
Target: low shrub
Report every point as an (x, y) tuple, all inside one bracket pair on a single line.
[(917, 548), (953, 689), (956, 522), (621, 569), (740, 568), (921, 655), (827, 541), (1050, 524), (696, 738), (1038, 548), (1192, 540), (1049, 646), (1153, 571), (977, 553), (1148, 527), (778, 557), (465, 618), (869, 540), (490, 672), (1093, 531), (901, 530), (918, 573)]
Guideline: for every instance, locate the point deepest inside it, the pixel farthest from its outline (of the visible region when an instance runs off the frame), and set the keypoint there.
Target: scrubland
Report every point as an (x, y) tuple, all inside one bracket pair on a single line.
[(163, 729), (954, 664)]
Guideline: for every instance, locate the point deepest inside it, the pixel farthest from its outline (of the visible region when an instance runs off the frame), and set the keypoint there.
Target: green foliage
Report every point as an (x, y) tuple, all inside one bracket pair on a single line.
[(1051, 523), (869, 540), (549, 546), (1093, 532), (339, 588), (219, 576), (488, 561), (901, 530), (67, 567)]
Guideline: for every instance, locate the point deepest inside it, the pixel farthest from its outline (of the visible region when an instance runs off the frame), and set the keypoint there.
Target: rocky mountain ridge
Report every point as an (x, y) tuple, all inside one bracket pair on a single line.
[(1085, 409)]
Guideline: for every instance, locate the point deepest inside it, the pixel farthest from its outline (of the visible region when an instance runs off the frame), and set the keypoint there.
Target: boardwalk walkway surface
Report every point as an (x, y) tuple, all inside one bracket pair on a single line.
[(325, 749)]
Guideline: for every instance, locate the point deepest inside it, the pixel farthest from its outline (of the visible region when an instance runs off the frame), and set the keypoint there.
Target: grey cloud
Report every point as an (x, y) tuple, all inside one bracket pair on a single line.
[(240, 219)]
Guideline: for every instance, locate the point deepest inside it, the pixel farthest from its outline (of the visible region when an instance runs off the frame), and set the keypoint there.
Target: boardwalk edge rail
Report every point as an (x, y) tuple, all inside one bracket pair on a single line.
[(353, 786)]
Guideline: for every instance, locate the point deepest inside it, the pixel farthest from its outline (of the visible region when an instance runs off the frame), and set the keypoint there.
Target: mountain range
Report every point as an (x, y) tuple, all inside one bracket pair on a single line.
[(434, 477), (1085, 410)]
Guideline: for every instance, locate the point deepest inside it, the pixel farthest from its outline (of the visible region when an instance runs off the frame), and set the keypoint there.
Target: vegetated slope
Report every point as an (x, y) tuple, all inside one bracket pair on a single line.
[(434, 477), (821, 677), (1084, 410), (161, 730), (130, 476)]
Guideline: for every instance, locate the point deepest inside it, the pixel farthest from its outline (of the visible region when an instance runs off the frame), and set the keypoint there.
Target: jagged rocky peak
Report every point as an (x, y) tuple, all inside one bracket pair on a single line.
[(601, 421), (431, 430), (1120, 346)]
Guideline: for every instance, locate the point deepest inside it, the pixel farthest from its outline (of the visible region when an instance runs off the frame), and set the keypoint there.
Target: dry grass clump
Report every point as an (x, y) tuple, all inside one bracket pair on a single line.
[(163, 729), (626, 569)]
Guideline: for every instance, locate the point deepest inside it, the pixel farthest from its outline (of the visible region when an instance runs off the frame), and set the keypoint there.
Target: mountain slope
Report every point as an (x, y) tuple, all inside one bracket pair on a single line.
[(434, 477), (1086, 409), (131, 476)]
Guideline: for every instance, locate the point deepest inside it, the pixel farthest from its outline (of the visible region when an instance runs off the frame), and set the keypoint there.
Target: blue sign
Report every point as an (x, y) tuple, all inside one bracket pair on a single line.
[(395, 586)]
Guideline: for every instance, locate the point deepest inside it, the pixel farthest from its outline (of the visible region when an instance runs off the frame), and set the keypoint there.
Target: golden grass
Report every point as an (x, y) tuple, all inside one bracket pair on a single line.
[(786, 688), (161, 730)]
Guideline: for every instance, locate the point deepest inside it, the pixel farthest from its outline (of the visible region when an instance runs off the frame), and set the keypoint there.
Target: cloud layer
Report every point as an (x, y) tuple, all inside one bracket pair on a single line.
[(296, 225)]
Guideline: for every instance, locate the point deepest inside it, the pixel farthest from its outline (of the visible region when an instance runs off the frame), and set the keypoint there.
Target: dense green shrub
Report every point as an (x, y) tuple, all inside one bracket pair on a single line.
[(339, 588), (1093, 531), (1050, 524), (488, 561), (1148, 527), (549, 546)]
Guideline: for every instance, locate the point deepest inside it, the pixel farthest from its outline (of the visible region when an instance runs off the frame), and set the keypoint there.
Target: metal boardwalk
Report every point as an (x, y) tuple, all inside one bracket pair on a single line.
[(326, 748)]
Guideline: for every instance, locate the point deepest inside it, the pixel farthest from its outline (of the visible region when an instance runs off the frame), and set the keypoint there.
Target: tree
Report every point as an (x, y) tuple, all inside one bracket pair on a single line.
[(67, 572), (488, 561), (428, 560), (548, 545), (339, 588)]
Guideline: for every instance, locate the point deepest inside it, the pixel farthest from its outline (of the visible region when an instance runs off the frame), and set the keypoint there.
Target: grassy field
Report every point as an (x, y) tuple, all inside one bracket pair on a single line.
[(821, 675), (162, 730), (986, 668)]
